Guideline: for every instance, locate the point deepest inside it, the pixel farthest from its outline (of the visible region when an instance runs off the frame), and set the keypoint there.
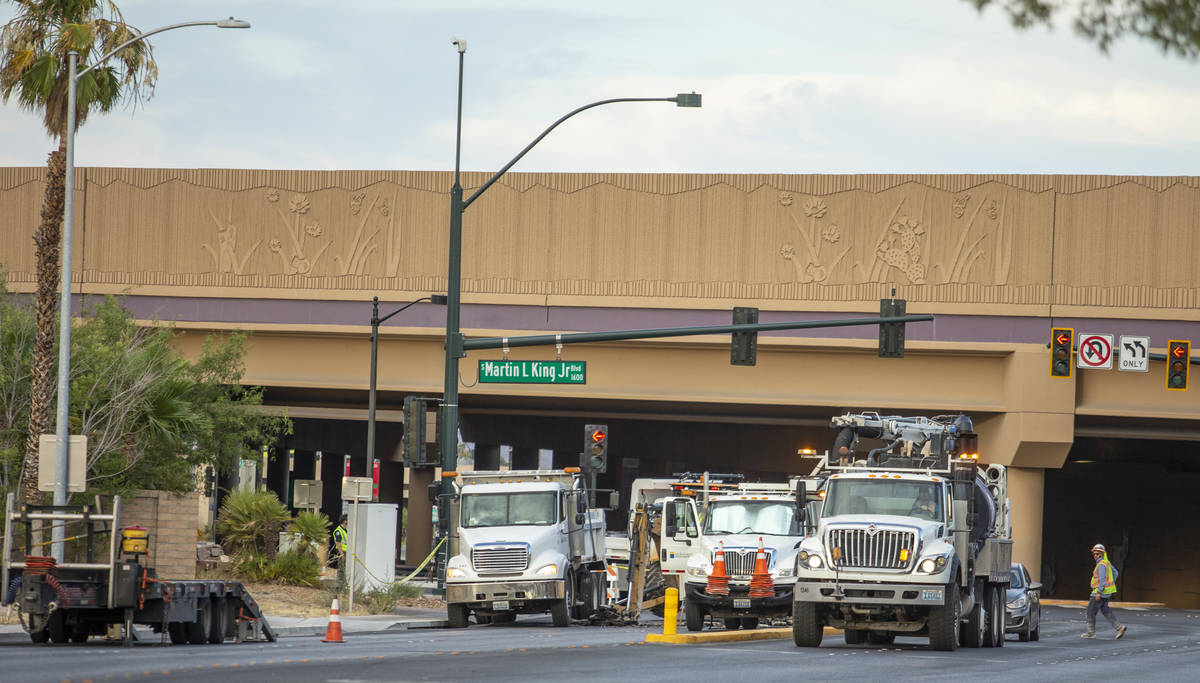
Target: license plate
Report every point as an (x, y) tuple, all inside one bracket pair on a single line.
[(500, 605), (935, 594), (741, 603)]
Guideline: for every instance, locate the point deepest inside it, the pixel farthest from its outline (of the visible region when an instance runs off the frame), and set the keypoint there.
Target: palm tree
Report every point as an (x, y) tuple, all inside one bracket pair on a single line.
[(34, 49)]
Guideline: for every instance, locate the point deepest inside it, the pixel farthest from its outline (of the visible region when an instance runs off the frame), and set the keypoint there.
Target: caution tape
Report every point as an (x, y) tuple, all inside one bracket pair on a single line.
[(407, 579)]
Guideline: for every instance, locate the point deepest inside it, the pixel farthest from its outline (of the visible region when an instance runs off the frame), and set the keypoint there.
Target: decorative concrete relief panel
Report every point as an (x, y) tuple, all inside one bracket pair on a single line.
[(1129, 246)]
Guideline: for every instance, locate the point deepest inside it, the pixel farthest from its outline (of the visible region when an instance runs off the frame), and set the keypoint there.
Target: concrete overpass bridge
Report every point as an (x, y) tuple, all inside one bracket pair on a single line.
[(295, 257)]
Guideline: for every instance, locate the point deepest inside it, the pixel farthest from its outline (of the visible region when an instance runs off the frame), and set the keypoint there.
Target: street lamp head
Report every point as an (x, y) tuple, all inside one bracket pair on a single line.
[(437, 299), (687, 99), (232, 23), (460, 44)]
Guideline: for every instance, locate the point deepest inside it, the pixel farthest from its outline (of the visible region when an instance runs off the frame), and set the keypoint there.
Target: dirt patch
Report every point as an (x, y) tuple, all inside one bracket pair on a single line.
[(301, 601)]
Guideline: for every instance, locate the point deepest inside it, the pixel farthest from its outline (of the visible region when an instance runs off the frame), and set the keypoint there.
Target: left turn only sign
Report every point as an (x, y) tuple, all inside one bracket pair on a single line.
[(1095, 351)]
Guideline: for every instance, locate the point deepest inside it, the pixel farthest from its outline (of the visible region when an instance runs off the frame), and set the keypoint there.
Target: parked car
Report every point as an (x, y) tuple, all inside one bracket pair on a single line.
[(1024, 604)]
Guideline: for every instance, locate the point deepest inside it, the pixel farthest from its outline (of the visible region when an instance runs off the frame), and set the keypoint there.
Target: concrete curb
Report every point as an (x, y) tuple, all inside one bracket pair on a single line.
[(299, 631), (728, 636), (1117, 605)]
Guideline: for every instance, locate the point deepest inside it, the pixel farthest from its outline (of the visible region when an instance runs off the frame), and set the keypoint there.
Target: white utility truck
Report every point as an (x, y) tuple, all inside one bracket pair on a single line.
[(915, 540), (737, 523), (523, 542)]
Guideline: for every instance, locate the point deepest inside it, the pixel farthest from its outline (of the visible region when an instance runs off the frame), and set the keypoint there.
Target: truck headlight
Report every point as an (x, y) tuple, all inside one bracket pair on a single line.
[(455, 573), (814, 562), (548, 570), (1020, 602), (784, 572), (698, 572), (931, 565)]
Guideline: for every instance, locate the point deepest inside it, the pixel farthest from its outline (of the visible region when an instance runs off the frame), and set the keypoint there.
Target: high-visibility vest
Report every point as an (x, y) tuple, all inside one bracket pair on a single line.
[(339, 538), (1110, 585)]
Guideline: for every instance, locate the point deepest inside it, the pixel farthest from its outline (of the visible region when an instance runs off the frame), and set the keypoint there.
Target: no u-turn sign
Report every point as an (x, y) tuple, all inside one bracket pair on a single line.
[(1095, 351)]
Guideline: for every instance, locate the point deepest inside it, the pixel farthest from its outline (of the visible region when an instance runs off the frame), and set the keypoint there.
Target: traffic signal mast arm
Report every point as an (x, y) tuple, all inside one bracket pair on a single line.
[(618, 335)]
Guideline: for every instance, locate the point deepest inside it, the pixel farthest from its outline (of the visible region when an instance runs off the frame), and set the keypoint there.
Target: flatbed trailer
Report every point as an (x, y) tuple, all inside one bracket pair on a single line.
[(70, 601)]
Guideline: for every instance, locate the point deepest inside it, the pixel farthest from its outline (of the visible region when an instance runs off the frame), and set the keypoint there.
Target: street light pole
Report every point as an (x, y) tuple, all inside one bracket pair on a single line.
[(376, 321), (62, 433), (454, 338)]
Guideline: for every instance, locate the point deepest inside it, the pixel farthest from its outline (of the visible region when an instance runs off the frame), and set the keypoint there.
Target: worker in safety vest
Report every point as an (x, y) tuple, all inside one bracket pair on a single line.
[(1104, 584), (340, 537)]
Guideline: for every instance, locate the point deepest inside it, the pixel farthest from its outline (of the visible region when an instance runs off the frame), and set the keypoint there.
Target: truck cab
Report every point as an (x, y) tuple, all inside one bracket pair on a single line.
[(737, 524), (523, 542)]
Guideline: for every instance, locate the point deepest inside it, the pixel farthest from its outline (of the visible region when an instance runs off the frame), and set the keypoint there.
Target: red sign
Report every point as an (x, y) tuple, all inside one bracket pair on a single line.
[(346, 467), (375, 479)]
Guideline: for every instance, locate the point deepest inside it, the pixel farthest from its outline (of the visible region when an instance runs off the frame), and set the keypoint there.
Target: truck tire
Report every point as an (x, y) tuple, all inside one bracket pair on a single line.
[(806, 629), (693, 617), (37, 629), (995, 625), (732, 623), (855, 636), (176, 633), (79, 635), (56, 626), (880, 638), (749, 623), (218, 626), (945, 622), (197, 631), (456, 616), (560, 612), (978, 627)]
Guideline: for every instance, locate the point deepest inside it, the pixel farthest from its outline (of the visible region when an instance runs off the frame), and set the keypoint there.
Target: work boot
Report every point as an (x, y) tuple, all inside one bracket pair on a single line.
[(1120, 631), (1088, 635)]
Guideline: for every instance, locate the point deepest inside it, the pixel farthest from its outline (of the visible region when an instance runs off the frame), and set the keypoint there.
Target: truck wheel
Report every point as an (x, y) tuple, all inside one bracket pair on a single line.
[(881, 638), (80, 635), (218, 626), (176, 633), (37, 629), (456, 616), (56, 626), (732, 623), (806, 629), (197, 631), (855, 636), (995, 603), (945, 622), (692, 616), (749, 623), (560, 612), (587, 591), (978, 626)]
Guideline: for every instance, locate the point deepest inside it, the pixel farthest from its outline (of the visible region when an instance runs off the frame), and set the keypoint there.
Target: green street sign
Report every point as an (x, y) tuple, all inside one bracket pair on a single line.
[(533, 371)]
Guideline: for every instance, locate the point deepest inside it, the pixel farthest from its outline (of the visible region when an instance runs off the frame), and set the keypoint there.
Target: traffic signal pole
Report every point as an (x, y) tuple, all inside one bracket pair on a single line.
[(620, 335)]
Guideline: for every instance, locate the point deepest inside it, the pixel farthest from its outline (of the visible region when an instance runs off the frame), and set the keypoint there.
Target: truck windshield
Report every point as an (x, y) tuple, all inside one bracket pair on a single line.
[(509, 509), (769, 517), (923, 499)]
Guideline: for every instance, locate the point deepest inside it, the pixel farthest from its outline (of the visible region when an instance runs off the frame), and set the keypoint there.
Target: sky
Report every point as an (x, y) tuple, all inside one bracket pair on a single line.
[(800, 86)]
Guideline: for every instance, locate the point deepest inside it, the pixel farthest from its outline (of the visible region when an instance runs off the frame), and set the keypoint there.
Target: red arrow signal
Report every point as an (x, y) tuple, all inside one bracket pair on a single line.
[(1177, 351), (1063, 338)]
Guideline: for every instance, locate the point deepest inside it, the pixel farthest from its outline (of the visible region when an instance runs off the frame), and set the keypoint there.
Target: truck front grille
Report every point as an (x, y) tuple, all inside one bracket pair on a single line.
[(740, 561), (500, 559), (872, 548)]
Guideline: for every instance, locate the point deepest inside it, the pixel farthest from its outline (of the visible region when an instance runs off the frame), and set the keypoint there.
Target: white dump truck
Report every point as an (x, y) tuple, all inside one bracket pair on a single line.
[(913, 540), (737, 523), (523, 542)]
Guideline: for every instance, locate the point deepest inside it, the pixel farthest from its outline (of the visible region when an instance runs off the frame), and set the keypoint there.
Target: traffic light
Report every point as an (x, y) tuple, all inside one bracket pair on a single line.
[(743, 346), (891, 335), (1179, 357), (595, 448), (414, 431), (1062, 341)]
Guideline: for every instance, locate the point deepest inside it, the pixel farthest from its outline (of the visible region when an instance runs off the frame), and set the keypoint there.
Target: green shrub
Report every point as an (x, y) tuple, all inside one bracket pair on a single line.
[(296, 567), (313, 530), (250, 521), (384, 599), (252, 565)]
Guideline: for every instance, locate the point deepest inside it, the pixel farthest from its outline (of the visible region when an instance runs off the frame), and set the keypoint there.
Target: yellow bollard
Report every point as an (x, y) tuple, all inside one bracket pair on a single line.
[(670, 611)]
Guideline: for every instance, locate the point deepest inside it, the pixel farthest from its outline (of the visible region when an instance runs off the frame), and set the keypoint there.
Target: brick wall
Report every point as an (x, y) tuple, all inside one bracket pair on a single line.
[(171, 520)]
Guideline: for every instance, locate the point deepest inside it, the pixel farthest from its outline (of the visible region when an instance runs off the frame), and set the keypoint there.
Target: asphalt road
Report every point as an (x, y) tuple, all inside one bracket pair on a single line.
[(1161, 645)]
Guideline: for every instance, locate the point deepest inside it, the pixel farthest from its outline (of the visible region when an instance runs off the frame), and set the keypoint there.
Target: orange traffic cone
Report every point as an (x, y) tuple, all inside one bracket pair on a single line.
[(718, 581), (333, 632), (761, 585)]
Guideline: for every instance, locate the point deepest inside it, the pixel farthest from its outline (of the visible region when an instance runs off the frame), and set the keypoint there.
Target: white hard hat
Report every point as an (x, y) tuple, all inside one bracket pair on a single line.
[(1100, 547)]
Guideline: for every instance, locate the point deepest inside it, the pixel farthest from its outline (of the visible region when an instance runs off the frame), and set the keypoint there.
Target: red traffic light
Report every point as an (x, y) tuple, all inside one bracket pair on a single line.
[(598, 435), (1063, 338), (1178, 351)]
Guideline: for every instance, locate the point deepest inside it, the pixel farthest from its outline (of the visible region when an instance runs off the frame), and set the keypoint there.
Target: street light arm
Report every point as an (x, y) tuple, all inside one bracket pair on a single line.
[(403, 308), (223, 23), (546, 132)]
